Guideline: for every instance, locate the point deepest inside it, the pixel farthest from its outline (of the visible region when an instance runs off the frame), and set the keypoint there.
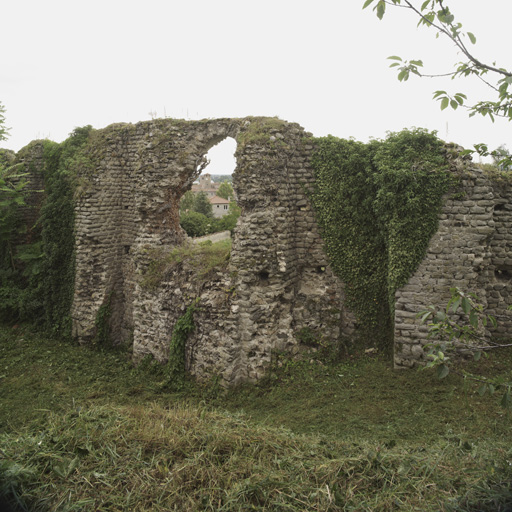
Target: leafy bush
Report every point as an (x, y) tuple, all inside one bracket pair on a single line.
[(195, 224)]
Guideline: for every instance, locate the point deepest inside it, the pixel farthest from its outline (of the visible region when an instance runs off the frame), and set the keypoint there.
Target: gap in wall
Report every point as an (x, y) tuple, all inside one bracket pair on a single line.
[(224, 210)]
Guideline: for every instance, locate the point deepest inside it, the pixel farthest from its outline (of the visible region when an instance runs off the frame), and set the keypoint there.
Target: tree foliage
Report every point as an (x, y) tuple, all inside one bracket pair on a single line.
[(460, 328), (226, 190), (187, 201), (195, 224), (4, 131), (437, 15), (202, 205)]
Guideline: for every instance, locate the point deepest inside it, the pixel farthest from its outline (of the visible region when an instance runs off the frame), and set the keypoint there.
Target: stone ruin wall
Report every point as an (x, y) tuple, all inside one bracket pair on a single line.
[(472, 250), (278, 280)]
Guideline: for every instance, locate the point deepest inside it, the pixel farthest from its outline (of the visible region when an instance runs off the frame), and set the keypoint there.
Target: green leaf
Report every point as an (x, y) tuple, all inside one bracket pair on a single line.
[(473, 319), (456, 305), (424, 5), (477, 355), (442, 371), (418, 63), (395, 57), (454, 104), (381, 9), (466, 305), (444, 103), (367, 3), (506, 401), (482, 389), (472, 38), (403, 75), (425, 317), (394, 64)]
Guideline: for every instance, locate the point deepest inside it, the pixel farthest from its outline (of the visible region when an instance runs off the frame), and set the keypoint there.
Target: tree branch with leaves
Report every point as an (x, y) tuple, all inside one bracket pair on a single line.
[(437, 15), (460, 328)]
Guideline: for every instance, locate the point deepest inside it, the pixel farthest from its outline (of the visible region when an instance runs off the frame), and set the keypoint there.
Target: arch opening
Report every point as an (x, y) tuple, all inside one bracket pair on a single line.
[(210, 206)]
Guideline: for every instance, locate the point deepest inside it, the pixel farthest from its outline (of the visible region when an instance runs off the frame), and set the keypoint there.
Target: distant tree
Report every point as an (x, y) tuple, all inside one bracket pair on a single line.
[(195, 224), (187, 201), (202, 205), (4, 131), (226, 190), (501, 158)]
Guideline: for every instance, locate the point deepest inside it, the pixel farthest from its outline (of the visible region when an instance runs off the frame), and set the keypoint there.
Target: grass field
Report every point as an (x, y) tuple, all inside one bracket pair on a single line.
[(83, 430)]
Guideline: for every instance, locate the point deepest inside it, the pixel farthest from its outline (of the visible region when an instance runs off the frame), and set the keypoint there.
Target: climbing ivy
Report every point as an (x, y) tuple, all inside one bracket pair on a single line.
[(57, 221), (102, 323), (176, 363), (377, 205), (40, 274)]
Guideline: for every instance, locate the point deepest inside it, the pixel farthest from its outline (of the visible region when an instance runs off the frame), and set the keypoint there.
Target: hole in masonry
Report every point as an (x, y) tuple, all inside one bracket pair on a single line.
[(503, 273), (210, 206), (263, 275)]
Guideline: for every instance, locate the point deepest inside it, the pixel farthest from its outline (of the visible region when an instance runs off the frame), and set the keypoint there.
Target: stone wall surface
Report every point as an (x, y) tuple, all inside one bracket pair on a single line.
[(277, 287), (277, 282), (472, 250)]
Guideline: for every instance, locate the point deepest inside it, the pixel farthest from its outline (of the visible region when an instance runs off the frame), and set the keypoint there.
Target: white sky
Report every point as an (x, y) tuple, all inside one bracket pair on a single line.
[(322, 64)]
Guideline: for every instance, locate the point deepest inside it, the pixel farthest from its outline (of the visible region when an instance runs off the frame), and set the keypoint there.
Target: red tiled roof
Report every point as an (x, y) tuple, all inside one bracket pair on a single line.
[(218, 200)]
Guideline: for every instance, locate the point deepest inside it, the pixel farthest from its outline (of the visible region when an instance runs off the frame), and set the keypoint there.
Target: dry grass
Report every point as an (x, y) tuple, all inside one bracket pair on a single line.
[(114, 441), (150, 458)]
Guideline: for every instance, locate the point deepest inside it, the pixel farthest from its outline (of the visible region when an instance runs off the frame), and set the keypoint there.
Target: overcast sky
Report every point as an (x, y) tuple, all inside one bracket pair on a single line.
[(322, 64)]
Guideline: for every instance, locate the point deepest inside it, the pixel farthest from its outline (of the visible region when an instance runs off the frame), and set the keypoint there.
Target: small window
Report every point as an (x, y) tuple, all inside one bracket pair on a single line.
[(225, 207)]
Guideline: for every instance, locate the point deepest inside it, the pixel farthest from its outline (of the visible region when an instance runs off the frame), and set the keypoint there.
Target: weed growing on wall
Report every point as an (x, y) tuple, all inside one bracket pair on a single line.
[(102, 323), (203, 258), (377, 205), (176, 363)]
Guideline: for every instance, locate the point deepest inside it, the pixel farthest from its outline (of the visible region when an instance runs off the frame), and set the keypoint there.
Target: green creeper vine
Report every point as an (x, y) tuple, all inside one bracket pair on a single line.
[(176, 363), (39, 286), (103, 315), (377, 205)]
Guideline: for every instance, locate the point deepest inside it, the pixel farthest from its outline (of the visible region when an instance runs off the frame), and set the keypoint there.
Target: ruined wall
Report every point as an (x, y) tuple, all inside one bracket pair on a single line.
[(277, 282), (472, 250)]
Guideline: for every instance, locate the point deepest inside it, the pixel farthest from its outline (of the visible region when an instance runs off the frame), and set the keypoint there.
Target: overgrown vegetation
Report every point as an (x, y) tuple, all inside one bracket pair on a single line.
[(176, 363), (202, 258), (377, 205), (38, 273), (464, 334), (259, 130), (83, 430)]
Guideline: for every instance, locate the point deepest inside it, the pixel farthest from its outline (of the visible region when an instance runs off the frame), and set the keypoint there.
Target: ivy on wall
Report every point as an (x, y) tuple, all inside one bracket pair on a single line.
[(176, 363), (41, 279), (377, 205)]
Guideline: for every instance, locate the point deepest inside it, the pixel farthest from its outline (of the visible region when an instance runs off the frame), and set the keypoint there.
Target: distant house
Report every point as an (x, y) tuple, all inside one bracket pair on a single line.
[(220, 206), (206, 185)]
